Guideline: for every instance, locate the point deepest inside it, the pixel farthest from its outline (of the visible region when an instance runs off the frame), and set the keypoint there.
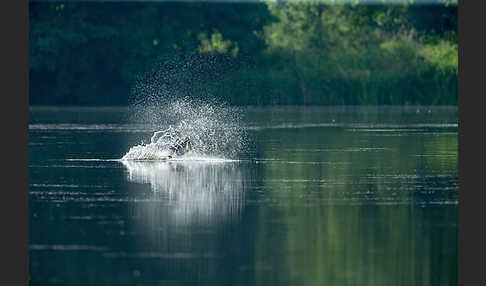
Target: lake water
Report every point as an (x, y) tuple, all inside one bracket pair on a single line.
[(320, 196)]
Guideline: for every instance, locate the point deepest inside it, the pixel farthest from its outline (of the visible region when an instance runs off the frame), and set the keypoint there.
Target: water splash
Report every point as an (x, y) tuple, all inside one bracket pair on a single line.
[(213, 130), (174, 99)]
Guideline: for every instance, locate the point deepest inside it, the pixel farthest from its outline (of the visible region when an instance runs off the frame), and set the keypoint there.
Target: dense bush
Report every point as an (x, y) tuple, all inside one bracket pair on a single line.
[(291, 52)]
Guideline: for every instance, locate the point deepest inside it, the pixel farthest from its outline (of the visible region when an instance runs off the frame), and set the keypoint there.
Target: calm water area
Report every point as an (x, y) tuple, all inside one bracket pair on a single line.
[(320, 196)]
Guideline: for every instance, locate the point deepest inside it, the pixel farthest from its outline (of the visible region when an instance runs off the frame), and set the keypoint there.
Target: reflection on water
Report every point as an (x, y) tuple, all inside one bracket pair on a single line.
[(368, 200), (196, 192)]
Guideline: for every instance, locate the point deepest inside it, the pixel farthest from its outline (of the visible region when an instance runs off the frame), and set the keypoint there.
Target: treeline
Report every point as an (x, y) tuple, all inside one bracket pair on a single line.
[(289, 52)]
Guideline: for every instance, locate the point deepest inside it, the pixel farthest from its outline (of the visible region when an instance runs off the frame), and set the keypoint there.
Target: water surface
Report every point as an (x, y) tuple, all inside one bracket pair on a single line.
[(320, 196)]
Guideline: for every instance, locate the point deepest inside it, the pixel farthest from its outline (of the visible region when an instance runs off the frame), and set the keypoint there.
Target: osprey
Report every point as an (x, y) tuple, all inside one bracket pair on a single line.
[(180, 147)]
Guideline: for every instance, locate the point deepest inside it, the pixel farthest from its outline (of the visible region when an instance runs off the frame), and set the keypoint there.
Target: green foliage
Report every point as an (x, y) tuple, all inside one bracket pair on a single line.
[(216, 44), (443, 55), (448, 2), (291, 52), (336, 50)]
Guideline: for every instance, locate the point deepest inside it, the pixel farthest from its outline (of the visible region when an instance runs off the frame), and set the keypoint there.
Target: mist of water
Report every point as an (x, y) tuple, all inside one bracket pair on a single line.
[(174, 99)]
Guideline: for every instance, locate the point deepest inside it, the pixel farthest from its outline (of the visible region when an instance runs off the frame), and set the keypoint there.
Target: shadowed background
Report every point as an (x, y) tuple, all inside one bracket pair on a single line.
[(292, 52)]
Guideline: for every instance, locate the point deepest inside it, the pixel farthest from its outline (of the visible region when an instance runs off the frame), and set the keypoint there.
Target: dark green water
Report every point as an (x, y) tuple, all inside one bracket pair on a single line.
[(321, 196)]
